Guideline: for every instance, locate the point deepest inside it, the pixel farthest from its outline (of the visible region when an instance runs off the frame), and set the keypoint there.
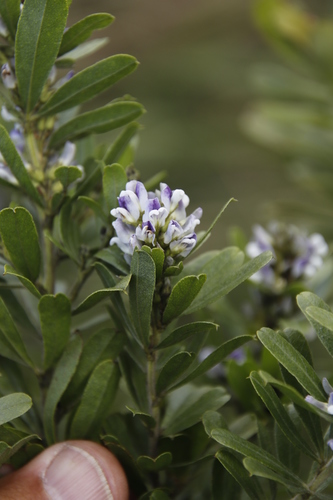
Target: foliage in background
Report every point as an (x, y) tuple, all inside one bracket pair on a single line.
[(97, 346)]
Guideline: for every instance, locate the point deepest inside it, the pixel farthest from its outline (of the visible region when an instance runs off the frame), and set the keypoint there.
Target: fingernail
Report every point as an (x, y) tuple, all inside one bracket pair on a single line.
[(75, 474)]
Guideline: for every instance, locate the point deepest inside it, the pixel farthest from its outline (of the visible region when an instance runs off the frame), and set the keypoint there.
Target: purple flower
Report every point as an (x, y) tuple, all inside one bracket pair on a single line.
[(154, 219), (296, 255)]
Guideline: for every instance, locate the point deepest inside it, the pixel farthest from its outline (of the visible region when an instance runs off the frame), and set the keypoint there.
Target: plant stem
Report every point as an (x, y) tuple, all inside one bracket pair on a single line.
[(49, 265), (154, 406), (83, 276), (322, 479)]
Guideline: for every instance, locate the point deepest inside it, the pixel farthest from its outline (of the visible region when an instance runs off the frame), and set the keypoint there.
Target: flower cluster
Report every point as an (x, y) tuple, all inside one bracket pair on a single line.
[(155, 219), (296, 255)]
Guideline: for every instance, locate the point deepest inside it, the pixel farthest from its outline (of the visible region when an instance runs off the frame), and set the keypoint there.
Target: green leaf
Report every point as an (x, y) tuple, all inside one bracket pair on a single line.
[(157, 494), (141, 293), (293, 361), (25, 282), (213, 420), (325, 319), (95, 207), (69, 232), (182, 295), (289, 391), (185, 331), (16, 165), (19, 235), (308, 413), (148, 464), (100, 120), (248, 449), (99, 295), (158, 256), (13, 406), (55, 320), (10, 13), (36, 49), (62, 375), (224, 274), (145, 418), (307, 299), (97, 397), (186, 406), (82, 30), (174, 270), (223, 484), (299, 342), (11, 450), (286, 452), (115, 258), (114, 152), (109, 281), (104, 344), (89, 83), (249, 484), (207, 234), (135, 381), (256, 468), (67, 175), (11, 334), (280, 415), (215, 357), (83, 50), (173, 369), (114, 181)]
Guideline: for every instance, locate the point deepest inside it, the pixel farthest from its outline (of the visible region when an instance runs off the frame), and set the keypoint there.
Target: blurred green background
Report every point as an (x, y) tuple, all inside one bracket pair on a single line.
[(197, 58)]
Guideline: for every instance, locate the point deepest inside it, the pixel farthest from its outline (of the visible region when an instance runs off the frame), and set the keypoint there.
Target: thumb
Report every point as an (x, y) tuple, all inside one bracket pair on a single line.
[(73, 470)]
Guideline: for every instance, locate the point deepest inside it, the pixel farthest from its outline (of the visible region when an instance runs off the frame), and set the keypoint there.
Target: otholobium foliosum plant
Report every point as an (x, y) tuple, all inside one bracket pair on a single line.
[(102, 307)]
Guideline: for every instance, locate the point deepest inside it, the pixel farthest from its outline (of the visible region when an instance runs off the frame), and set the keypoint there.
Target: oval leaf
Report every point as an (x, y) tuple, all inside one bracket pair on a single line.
[(109, 117), (82, 30), (279, 413), (19, 235), (10, 13), (182, 295), (100, 346), (236, 469), (248, 449), (13, 406), (16, 165), (67, 175), (224, 274), (187, 405), (216, 357), (100, 295), (154, 464), (173, 369), (36, 49), (183, 332), (293, 361), (141, 293), (114, 152), (114, 181), (55, 320), (96, 400), (25, 282), (62, 375), (89, 83)]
